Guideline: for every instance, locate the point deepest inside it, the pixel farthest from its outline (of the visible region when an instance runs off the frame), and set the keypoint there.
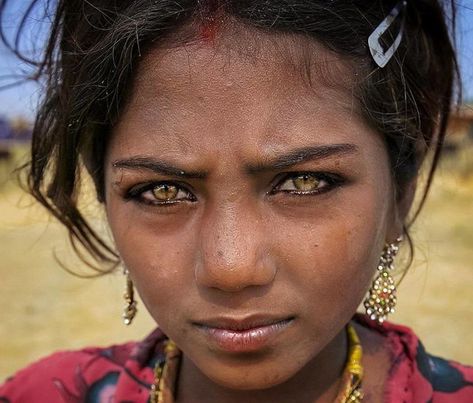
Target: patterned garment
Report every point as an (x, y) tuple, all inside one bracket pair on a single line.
[(124, 373)]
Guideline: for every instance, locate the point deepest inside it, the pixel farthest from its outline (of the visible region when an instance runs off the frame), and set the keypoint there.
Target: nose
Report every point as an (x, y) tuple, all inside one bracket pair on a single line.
[(233, 251)]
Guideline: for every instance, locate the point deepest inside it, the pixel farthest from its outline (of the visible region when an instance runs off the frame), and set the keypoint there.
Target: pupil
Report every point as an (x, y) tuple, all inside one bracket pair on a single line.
[(165, 192), (306, 182)]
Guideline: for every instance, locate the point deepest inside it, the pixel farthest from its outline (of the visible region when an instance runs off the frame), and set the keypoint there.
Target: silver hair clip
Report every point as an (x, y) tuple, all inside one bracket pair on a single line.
[(380, 55)]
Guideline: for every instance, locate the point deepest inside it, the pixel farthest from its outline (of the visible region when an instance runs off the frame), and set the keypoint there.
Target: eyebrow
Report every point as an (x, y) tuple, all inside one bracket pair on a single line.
[(294, 157), (301, 155), (160, 167)]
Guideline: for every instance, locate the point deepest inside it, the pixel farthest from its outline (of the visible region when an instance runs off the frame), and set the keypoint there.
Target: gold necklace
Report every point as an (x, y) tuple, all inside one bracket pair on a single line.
[(165, 373)]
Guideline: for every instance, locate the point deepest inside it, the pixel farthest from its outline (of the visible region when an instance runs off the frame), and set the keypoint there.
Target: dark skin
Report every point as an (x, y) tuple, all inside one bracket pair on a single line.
[(234, 188)]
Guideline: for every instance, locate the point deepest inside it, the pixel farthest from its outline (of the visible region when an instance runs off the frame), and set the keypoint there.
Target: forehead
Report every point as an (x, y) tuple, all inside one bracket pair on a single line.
[(259, 91)]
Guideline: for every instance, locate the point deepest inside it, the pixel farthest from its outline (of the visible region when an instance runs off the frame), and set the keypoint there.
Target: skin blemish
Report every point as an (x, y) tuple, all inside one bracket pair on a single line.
[(116, 183)]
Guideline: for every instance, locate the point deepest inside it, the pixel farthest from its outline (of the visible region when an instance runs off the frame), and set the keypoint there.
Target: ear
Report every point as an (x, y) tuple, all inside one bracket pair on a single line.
[(403, 200)]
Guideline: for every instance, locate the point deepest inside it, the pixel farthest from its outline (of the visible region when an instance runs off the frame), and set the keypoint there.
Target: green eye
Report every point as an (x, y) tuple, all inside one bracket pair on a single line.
[(161, 193), (305, 183), (308, 183), (165, 192)]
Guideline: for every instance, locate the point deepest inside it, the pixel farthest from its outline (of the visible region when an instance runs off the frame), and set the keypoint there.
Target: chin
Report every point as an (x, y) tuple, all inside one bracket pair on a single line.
[(252, 380), (253, 375)]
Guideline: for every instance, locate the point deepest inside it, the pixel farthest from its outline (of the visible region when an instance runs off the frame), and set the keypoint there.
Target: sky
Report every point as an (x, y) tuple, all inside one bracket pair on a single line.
[(21, 100)]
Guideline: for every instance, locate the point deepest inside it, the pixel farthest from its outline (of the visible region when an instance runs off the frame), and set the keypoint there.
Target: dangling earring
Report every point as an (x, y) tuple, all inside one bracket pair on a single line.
[(129, 310), (381, 299)]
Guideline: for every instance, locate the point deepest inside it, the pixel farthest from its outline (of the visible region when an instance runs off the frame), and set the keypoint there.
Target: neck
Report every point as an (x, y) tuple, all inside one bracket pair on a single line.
[(316, 382)]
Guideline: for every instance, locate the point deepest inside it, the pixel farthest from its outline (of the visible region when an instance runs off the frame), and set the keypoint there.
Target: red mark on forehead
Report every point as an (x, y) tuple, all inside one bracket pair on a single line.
[(210, 21), (209, 29)]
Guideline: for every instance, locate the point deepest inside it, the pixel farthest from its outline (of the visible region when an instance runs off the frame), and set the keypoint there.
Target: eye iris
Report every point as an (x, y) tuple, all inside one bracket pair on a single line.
[(306, 182), (165, 192)]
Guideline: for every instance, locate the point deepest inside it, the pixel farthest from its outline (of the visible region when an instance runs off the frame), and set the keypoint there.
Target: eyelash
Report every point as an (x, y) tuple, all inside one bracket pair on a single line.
[(136, 193), (332, 181)]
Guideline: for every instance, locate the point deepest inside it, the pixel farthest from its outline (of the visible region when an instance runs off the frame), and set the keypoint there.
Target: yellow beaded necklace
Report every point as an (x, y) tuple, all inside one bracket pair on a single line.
[(165, 373)]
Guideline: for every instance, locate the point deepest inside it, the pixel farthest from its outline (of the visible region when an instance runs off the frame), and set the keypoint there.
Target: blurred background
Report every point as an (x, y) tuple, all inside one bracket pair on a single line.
[(45, 309)]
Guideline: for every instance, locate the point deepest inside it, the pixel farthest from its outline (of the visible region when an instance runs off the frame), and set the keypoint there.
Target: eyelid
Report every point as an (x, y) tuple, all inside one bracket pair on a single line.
[(333, 180), (135, 192)]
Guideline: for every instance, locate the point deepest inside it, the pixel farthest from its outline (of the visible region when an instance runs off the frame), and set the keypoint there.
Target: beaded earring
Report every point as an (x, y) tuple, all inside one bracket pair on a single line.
[(381, 299), (129, 310)]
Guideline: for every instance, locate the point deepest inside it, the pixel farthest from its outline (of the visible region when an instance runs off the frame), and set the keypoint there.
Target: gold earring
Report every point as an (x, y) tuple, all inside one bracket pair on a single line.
[(381, 299), (129, 310)]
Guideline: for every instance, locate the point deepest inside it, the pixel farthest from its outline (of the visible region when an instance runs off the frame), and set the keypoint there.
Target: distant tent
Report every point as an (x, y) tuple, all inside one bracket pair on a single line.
[(21, 129), (17, 129), (6, 131)]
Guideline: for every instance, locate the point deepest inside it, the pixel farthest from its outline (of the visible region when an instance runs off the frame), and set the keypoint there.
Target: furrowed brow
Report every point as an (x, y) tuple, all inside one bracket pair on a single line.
[(160, 167), (301, 155)]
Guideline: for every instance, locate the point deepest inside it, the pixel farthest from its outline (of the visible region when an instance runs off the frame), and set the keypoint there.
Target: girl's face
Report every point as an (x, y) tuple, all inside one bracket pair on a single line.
[(250, 206)]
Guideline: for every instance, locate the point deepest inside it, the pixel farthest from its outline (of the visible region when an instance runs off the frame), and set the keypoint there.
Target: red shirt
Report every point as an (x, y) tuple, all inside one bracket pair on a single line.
[(124, 373)]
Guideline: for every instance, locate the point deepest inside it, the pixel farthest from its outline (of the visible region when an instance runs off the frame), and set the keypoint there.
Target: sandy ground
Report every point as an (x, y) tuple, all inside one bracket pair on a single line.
[(45, 309)]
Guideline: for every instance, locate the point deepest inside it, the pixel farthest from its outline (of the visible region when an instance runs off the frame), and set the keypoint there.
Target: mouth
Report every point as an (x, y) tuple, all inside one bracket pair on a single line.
[(243, 335)]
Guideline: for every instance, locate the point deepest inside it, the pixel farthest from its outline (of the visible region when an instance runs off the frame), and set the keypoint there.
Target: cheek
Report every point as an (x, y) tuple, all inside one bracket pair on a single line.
[(331, 255), (160, 262)]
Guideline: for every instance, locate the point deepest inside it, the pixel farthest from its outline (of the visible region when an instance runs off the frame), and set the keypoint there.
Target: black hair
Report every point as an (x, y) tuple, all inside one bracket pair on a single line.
[(95, 46)]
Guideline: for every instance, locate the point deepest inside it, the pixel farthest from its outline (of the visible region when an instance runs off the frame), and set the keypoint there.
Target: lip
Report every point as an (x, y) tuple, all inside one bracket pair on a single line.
[(243, 335)]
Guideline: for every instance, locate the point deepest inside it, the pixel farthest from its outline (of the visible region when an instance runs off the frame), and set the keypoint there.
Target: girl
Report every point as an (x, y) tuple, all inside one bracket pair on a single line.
[(257, 161)]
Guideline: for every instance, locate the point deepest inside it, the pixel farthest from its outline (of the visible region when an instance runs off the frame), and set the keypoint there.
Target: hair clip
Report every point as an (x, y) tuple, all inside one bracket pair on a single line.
[(380, 55)]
